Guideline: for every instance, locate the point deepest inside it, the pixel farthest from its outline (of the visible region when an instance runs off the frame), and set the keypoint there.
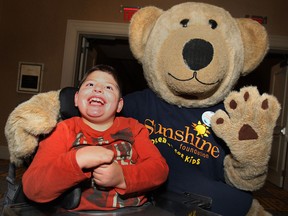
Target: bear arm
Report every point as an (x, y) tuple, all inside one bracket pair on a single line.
[(247, 177), (27, 121)]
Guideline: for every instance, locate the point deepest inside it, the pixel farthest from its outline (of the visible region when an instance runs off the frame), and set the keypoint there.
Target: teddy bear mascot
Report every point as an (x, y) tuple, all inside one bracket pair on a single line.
[(216, 141), (192, 55)]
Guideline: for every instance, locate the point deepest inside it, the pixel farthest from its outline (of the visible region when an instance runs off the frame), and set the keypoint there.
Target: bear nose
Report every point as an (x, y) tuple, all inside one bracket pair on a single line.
[(197, 54)]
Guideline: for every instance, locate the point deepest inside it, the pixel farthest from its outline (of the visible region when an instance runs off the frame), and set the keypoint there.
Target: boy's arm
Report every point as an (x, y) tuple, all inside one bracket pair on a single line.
[(150, 170), (54, 168)]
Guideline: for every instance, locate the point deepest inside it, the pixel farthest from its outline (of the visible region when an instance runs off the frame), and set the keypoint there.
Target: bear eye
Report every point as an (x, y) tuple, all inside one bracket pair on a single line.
[(184, 22), (213, 23)]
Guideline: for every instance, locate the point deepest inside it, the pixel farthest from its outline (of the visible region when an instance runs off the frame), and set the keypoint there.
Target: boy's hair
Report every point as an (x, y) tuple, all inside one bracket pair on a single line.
[(104, 68)]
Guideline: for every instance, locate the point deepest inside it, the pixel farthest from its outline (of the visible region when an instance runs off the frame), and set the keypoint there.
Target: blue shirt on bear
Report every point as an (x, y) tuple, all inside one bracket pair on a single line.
[(193, 152)]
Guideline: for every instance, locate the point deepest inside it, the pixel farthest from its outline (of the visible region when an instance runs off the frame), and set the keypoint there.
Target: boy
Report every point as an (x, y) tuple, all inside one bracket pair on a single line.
[(115, 152)]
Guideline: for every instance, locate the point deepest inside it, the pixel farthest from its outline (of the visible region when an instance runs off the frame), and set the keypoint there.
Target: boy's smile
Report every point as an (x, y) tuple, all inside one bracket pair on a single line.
[(96, 101)]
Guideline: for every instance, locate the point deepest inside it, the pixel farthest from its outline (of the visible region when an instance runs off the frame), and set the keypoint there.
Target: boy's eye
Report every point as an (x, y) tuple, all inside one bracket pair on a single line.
[(109, 87), (89, 84)]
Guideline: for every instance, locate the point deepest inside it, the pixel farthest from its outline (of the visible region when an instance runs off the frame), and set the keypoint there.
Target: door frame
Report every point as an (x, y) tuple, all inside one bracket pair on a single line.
[(77, 27), (74, 29)]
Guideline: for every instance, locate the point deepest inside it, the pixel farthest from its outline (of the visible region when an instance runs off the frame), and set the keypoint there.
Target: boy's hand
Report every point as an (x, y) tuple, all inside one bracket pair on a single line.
[(93, 156), (109, 175)]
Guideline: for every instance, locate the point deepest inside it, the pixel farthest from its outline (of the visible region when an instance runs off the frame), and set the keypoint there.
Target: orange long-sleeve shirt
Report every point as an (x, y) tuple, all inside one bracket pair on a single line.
[(54, 168)]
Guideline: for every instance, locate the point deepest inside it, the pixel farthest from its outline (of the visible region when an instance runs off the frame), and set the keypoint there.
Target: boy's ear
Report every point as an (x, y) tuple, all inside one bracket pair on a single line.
[(76, 99), (120, 105)]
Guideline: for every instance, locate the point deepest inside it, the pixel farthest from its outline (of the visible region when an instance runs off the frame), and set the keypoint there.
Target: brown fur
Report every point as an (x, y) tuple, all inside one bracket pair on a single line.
[(27, 121)]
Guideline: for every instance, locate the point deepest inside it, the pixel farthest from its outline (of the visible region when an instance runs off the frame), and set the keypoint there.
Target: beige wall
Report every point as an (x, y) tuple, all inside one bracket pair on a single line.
[(34, 31)]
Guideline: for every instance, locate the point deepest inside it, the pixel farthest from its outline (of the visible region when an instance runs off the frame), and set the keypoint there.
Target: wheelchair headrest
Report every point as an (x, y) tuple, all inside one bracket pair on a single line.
[(67, 107)]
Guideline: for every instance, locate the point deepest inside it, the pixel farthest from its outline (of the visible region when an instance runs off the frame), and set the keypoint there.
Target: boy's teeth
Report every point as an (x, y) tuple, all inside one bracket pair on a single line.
[(97, 100)]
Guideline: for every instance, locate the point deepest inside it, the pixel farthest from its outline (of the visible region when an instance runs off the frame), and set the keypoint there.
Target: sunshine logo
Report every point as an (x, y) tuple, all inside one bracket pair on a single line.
[(201, 129)]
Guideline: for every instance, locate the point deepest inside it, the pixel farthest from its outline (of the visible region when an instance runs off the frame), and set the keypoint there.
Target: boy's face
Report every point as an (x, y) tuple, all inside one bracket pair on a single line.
[(98, 98)]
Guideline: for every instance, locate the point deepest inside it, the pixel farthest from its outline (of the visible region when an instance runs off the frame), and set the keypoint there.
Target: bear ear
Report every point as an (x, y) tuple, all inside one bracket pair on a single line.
[(140, 27), (256, 43)]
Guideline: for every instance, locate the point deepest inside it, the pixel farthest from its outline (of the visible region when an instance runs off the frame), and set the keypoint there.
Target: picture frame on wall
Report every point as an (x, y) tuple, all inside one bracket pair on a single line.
[(30, 77)]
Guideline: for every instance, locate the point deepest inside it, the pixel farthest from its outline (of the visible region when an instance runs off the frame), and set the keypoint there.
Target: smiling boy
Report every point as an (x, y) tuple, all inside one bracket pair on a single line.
[(114, 152)]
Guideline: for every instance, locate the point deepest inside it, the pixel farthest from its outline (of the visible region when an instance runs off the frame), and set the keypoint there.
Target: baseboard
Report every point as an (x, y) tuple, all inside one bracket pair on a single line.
[(4, 152)]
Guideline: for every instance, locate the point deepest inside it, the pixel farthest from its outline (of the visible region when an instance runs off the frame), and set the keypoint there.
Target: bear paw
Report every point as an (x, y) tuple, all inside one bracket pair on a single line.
[(247, 127)]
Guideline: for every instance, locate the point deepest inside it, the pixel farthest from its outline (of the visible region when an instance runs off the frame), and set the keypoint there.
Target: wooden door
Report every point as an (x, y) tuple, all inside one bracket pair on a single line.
[(279, 88)]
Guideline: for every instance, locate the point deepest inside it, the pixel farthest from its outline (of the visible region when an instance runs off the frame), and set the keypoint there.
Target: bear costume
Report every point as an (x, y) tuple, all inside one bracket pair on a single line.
[(217, 142), (192, 56)]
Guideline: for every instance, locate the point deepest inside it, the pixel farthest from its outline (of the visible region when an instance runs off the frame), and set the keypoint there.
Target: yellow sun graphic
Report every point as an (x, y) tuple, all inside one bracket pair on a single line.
[(201, 129)]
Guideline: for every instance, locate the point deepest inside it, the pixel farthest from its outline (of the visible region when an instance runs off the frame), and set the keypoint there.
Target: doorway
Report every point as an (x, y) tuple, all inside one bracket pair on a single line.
[(261, 76), (111, 50)]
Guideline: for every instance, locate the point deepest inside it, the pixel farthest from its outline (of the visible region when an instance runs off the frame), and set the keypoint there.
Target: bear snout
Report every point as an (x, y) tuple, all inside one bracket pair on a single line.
[(197, 54)]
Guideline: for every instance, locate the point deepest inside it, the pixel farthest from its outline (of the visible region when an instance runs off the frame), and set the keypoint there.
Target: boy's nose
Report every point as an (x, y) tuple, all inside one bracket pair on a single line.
[(98, 88)]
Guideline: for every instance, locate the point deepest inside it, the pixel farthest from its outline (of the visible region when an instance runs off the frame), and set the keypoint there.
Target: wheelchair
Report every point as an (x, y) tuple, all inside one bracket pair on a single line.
[(161, 203)]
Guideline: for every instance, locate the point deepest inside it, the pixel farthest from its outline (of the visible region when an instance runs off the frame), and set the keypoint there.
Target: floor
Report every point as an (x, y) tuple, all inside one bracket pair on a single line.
[(271, 197)]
